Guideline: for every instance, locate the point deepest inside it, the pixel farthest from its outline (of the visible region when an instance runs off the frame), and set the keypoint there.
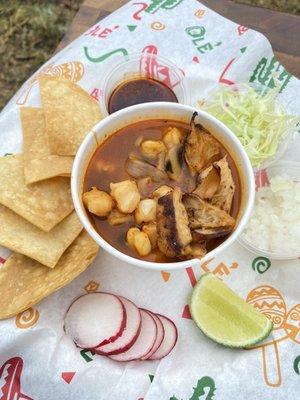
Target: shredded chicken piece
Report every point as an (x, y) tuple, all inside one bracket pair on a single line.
[(201, 214), (209, 181), (200, 147), (224, 195), (172, 225)]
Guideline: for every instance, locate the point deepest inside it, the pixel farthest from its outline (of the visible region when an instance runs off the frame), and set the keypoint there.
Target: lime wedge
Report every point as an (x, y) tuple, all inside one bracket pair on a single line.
[(225, 317)]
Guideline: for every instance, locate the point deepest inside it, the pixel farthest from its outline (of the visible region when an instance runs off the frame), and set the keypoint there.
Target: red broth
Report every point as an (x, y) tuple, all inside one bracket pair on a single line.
[(107, 165), (138, 91)]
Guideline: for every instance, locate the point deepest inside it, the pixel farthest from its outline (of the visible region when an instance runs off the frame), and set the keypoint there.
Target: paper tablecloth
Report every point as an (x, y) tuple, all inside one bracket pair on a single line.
[(40, 360)]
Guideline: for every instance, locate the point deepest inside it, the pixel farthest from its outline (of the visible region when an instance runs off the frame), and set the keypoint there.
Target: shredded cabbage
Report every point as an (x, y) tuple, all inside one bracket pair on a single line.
[(254, 117)]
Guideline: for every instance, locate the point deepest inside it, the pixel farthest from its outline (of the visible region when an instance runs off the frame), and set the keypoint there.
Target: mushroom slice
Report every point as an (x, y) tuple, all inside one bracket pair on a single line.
[(173, 232), (138, 168), (200, 147), (209, 182), (146, 186), (224, 195), (173, 162), (204, 215), (173, 136), (207, 234)]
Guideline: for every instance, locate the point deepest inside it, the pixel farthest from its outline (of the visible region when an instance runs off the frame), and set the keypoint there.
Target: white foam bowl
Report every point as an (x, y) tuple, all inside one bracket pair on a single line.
[(167, 111)]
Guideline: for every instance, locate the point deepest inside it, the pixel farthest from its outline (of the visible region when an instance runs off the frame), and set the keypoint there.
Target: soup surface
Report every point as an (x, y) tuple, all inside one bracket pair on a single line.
[(137, 91), (109, 165)]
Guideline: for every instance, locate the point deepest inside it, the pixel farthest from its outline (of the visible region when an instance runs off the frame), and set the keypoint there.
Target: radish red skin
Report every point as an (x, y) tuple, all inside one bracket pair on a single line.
[(144, 342), (131, 331), (118, 331), (159, 336), (170, 329)]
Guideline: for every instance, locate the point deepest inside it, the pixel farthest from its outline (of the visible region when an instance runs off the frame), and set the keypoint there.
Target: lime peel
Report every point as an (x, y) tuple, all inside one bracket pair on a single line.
[(225, 317), (258, 121)]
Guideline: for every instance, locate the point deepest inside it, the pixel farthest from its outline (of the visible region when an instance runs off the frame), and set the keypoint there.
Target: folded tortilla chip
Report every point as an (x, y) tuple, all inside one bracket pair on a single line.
[(21, 236), (44, 203), (39, 164), (70, 113), (24, 282)]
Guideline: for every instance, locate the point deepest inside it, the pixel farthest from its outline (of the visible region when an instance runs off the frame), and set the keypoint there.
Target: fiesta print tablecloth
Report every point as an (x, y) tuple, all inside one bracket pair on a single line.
[(38, 361)]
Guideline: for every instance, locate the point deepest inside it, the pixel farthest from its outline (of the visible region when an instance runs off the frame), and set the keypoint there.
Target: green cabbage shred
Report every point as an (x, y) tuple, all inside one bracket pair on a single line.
[(259, 122)]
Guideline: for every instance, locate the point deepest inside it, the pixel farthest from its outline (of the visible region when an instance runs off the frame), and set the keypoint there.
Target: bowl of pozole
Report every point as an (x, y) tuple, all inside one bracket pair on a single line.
[(162, 185)]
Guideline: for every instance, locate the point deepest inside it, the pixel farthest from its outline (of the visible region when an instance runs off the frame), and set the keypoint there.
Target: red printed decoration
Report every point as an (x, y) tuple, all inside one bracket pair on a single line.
[(186, 313), (241, 29), (68, 376), (136, 15), (222, 78), (191, 275), (196, 59), (96, 93)]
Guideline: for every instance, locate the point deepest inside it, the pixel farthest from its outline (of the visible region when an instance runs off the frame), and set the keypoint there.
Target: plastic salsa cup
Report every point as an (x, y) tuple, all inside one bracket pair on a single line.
[(291, 169), (146, 65)]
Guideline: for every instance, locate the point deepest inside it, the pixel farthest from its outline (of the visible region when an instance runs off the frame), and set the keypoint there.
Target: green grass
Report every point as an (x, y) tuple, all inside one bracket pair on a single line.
[(30, 30), (29, 33)]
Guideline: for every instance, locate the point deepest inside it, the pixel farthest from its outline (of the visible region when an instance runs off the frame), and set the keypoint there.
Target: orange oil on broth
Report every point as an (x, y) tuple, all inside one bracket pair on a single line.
[(107, 165)]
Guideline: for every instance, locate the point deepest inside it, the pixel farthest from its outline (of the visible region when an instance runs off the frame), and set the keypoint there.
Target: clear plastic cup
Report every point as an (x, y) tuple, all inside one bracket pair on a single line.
[(291, 169), (145, 65), (287, 135)]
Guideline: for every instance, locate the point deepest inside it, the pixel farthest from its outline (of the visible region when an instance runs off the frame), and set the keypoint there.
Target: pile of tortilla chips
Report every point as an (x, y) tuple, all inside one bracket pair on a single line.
[(37, 218)]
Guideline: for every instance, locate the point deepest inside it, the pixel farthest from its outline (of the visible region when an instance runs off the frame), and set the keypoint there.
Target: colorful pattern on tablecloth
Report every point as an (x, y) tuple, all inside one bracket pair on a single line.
[(37, 360)]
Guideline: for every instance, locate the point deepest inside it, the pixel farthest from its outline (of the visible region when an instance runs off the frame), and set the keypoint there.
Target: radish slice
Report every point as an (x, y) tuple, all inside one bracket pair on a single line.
[(169, 340), (130, 333), (95, 319), (144, 342), (159, 336)]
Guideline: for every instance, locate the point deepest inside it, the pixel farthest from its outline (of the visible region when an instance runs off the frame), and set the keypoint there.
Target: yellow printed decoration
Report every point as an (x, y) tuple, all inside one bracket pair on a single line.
[(92, 286), (158, 26), (27, 318), (292, 323), (71, 71), (270, 302), (199, 13)]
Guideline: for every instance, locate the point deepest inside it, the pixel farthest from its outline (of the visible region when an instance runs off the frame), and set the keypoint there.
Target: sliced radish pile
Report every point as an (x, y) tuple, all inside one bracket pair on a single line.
[(115, 327), (159, 335), (144, 342), (169, 340), (95, 319), (130, 334)]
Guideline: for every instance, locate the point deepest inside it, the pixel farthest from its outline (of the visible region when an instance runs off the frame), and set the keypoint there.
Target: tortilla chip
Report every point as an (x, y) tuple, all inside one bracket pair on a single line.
[(24, 282), (44, 204), (21, 236), (39, 164), (70, 113)]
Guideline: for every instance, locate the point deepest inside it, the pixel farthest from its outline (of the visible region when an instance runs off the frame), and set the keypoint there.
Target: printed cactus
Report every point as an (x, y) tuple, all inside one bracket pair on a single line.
[(203, 383), (206, 382), (165, 4)]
